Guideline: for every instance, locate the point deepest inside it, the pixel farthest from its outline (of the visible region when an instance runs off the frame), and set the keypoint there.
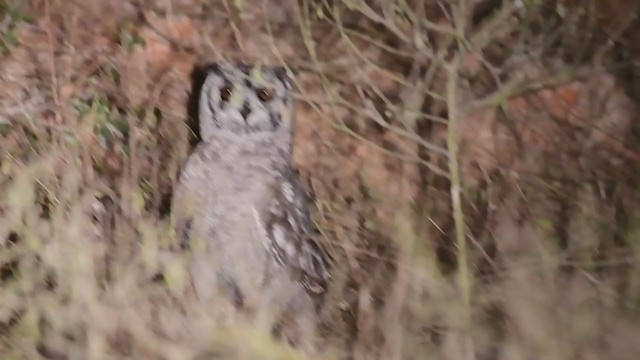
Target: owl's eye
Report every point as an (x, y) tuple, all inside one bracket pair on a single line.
[(225, 93), (265, 94)]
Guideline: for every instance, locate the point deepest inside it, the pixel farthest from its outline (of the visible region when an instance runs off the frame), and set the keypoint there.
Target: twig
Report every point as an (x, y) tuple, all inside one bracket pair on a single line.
[(234, 21), (464, 275), (52, 63)]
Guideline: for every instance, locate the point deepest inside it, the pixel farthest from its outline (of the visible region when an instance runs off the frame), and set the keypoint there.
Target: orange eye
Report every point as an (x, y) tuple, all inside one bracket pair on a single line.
[(265, 94), (225, 93)]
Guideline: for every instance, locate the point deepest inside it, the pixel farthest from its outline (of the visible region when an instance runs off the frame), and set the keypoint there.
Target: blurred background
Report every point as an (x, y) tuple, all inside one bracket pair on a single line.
[(474, 166)]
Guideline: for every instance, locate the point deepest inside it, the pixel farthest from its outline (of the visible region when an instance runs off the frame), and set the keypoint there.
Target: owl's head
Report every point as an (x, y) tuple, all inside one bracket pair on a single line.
[(245, 100)]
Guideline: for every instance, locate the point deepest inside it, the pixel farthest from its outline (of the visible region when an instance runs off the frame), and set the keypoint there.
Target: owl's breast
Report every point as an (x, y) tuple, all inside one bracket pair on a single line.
[(247, 183), (237, 239), (235, 187), (237, 191)]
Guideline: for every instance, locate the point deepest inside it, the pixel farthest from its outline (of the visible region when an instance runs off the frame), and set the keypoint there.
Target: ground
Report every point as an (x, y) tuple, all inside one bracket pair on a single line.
[(474, 174)]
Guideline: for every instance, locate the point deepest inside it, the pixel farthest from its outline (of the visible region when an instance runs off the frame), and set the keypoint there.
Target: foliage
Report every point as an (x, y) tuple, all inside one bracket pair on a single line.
[(474, 166)]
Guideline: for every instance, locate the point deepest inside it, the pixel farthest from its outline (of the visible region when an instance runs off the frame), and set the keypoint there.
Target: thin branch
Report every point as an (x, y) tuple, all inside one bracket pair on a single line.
[(464, 275)]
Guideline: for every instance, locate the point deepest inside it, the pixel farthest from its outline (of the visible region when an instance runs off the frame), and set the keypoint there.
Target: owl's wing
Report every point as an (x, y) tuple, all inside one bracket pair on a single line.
[(290, 233)]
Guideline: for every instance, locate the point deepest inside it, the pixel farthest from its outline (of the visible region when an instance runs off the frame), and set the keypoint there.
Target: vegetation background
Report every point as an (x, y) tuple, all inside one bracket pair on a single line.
[(474, 164)]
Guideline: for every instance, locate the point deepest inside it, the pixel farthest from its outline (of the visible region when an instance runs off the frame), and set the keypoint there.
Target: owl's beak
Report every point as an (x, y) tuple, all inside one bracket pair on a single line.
[(245, 111)]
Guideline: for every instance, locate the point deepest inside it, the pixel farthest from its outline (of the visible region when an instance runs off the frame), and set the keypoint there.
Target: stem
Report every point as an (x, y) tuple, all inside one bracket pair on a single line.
[(463, 275)]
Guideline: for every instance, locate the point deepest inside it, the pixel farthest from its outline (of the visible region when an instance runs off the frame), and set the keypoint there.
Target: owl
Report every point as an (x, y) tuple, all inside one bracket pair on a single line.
[(238, 202)]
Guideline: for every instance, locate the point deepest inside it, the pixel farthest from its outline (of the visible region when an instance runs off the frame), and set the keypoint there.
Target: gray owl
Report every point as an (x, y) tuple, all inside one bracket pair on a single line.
[(238, 202)]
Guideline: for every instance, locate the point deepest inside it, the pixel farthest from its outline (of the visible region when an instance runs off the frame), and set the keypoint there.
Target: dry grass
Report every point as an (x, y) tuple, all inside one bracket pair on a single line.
[(474, 165)]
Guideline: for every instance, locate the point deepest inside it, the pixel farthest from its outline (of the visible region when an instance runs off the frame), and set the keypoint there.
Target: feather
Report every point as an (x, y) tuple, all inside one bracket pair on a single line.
[(292, 234)]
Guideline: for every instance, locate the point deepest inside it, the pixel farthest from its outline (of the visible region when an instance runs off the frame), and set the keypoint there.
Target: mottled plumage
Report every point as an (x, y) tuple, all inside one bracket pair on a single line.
[(239, 202)]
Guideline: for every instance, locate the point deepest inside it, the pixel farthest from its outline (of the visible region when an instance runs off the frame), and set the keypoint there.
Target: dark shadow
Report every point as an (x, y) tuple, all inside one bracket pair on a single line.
[(198, 76)]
